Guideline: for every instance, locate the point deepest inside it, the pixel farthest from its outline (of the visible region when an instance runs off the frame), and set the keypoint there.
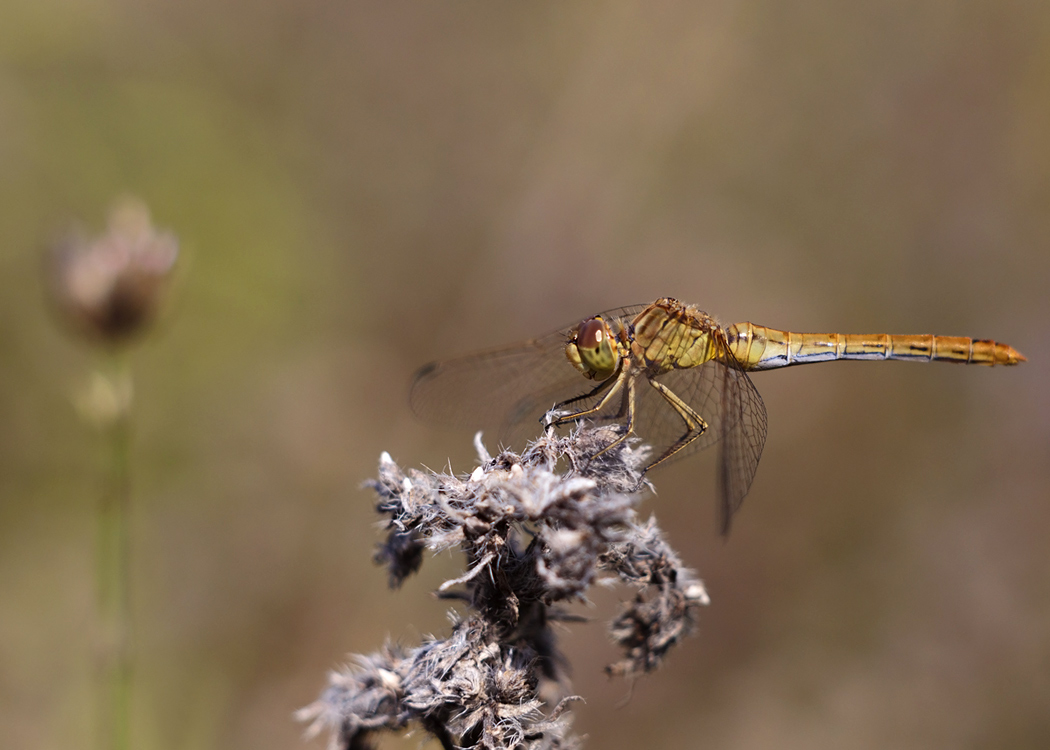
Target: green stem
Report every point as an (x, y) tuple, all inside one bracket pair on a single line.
[(113, 573)]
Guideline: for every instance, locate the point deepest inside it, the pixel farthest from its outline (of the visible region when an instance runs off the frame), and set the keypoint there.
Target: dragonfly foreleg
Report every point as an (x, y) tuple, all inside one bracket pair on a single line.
[(612, 386), (695, 424), (622, 383)]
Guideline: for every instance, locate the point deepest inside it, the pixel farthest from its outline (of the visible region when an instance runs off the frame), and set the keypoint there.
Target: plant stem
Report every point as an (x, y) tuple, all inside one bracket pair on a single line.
[(113, 572)]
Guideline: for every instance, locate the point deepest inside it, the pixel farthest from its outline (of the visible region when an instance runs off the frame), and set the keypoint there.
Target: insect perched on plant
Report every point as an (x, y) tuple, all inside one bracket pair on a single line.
[(666, 372)]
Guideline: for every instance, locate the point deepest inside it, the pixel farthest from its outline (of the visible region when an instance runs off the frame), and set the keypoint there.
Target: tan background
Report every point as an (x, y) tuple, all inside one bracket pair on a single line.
[(360, 187)]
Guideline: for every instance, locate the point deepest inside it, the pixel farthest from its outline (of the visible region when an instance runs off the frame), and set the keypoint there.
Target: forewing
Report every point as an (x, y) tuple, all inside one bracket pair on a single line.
[(497, 390), (505, 390)]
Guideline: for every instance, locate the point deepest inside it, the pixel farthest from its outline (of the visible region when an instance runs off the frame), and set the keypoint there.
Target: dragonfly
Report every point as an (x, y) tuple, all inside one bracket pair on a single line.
[(667, 373)]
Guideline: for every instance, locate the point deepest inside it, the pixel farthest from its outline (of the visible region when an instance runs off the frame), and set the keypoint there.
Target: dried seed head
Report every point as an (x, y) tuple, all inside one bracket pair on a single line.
[(535, 539), (110, 288)]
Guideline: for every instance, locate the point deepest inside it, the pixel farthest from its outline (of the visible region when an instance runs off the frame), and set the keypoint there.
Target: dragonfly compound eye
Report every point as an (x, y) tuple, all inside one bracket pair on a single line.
[(592, 351)]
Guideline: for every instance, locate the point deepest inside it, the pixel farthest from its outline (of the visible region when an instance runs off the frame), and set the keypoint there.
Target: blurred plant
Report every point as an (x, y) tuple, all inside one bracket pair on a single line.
[(534, 539), (109, 290)]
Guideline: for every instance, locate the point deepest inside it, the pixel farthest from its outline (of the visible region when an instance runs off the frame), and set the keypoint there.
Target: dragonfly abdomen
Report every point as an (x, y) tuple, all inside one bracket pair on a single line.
[(761, 348)]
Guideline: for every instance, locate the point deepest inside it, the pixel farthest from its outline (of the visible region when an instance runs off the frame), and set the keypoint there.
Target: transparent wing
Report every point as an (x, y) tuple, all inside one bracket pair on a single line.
[(505, 390), (660, 426), (724, 396), (744, 435)]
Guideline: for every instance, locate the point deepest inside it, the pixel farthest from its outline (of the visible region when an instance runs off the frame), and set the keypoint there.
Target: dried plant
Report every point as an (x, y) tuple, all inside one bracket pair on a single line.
[(109, 290), (537, 530)]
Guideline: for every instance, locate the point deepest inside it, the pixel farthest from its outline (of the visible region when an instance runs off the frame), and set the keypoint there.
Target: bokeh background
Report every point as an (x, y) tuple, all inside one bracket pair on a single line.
[(361, 187)]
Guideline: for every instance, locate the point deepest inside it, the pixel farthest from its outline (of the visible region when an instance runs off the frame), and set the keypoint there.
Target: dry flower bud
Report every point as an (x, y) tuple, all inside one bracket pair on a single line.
[(110, 287)]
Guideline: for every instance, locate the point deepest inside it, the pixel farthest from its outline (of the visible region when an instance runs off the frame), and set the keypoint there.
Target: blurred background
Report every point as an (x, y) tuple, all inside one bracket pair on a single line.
[(361, 187)]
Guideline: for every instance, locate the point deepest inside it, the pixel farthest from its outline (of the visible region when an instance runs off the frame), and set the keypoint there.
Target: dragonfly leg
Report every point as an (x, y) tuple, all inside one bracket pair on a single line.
[(558, 421), (613, 386), (600, 418), (626, 407), (695, 424)]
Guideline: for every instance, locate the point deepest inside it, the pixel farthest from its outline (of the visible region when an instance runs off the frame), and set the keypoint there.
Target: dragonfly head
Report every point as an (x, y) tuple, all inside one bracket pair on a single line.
[(593, 350)]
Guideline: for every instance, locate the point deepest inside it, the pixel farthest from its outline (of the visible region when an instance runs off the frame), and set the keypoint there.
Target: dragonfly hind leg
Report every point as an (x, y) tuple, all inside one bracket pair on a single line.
[(695, 424)]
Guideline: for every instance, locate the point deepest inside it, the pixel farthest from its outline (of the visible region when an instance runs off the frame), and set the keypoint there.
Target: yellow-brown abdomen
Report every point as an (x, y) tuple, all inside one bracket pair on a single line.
[(761, 348)]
